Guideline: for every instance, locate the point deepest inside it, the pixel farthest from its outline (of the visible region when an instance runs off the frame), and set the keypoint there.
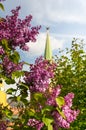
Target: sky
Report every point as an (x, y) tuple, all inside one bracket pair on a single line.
[(65, 18)]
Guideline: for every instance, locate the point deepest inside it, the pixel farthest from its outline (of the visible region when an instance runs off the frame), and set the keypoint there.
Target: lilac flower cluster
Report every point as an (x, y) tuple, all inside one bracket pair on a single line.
[(40, 74), (68, 99), (39, 79), (60, 121), (70, 115), (9, 66), (1, 50), (3, 125), (35, 124), (52, 95), (18, 32)]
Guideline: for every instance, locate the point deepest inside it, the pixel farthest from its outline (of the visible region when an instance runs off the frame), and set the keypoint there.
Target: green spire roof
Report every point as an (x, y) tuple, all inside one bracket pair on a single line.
[(48, 51)]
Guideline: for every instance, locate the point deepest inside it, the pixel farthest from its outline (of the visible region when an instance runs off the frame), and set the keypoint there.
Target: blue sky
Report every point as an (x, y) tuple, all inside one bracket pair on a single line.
[(66, 19)]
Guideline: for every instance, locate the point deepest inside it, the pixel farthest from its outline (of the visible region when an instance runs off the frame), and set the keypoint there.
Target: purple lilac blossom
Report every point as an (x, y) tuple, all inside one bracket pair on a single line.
[(51, 97), (59, 121), (35, 124), (70, 115), (68, 99), (9, 66), (55, 127), (3, 125), (1, 50), (40, 74), (18, 32)]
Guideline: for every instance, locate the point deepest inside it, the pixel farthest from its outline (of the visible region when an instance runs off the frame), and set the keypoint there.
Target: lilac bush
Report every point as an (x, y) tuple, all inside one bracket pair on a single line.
[(39, 80), (45, 109), (15, 32)]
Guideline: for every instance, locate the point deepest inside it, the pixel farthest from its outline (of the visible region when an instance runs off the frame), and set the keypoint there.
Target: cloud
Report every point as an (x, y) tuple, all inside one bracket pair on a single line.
[(70, 36), (56, 40), (37, 48), (47, 11)]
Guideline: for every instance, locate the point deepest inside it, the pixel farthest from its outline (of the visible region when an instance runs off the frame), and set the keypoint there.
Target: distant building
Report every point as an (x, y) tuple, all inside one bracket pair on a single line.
[(3, 96)]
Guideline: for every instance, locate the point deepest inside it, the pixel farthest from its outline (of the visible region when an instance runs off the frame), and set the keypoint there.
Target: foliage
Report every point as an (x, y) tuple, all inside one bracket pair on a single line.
[(1, 5), (46, 109), (71, 73)]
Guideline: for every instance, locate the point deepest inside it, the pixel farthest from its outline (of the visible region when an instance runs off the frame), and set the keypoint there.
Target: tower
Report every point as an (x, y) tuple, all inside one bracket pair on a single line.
[(48, 51)]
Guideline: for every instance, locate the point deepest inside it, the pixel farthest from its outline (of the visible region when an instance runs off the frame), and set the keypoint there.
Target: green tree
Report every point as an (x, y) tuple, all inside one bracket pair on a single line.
[(71, 74)]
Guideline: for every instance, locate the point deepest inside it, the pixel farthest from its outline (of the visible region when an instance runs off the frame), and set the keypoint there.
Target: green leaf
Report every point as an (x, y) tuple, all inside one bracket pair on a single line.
[(2, 7), (10, 90), (8, 113), (60, 101), (50, 127), (23, 86), (5, 44), (25, 101), (31, 112), (17, 74), (15, 57), (18, 98), (47, 108), (61, 112), (38, 96), (9, 81), (47, 121)]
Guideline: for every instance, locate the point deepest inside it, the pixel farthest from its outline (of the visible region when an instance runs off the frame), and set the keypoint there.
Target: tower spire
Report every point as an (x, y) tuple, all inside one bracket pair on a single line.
[(48, 51)]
